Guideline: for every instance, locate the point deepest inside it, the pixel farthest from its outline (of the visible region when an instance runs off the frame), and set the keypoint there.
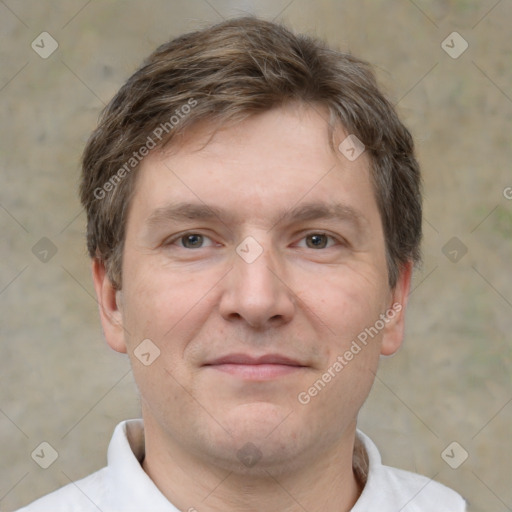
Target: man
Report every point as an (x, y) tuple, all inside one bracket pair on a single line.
[(254, 215)]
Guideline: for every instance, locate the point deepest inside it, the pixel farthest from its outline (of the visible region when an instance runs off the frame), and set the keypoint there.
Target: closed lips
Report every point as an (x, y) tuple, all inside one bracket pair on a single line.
[(244, 359)]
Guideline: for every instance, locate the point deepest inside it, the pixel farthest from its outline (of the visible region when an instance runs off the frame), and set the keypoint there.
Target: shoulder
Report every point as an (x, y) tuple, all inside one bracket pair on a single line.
[(417, 493), (391, 489), (121, 485), (81, 496)]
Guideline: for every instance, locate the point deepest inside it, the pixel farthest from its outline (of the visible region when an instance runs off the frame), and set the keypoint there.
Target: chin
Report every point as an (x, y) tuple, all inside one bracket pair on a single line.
[(258, 420), (264, 438), (261, 458)]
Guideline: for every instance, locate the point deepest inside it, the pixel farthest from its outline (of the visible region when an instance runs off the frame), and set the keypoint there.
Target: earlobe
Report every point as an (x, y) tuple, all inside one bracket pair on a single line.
[(109, 306), (394, 331)]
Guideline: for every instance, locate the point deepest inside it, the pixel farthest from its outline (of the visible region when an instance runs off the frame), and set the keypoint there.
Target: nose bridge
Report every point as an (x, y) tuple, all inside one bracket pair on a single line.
[(255, 290), (256, 262)]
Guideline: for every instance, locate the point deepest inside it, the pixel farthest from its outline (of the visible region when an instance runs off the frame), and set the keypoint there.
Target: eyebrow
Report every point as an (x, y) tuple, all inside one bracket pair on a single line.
[(185, 211), (321, 211)]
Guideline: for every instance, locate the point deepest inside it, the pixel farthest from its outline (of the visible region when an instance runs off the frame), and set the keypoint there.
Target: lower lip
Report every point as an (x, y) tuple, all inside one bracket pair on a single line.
[(256, 371)]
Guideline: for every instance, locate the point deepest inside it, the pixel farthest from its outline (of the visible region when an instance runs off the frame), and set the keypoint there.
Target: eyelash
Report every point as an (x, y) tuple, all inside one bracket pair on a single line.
[(311, 233)]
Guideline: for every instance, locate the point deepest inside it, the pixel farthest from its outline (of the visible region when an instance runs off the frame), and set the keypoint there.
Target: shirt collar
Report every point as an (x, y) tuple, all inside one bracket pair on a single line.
[(130, 488)]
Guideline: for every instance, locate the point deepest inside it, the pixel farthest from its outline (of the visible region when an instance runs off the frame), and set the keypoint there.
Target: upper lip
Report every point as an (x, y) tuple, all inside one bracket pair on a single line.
[(248, 359)]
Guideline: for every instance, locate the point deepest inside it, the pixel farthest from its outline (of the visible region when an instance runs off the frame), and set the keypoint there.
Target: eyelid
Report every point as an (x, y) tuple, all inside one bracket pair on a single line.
[(339, 240), (178, 236)]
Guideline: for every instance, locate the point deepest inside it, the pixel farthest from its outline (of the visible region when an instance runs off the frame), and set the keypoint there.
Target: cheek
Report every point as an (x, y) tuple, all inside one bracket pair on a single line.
[(164, 305), (151, 304), (348, 300), (166, 309)]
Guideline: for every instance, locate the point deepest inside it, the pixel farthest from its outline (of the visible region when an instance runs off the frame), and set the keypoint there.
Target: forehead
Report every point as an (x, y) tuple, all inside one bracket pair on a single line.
[(280, 158)]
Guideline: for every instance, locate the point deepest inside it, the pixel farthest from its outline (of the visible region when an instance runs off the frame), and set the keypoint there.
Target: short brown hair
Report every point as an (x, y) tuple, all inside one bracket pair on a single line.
[(227, 72)]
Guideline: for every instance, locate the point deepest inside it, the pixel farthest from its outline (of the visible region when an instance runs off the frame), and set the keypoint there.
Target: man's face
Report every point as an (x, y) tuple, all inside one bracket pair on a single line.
[(230, 261)]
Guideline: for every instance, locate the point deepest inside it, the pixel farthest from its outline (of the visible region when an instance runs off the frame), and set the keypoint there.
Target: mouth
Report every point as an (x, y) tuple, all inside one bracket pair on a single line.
[(262, 368)]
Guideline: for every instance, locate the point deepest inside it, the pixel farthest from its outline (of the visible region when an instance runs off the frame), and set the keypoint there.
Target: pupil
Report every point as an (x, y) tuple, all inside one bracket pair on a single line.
[(318, 240), (193, 240)]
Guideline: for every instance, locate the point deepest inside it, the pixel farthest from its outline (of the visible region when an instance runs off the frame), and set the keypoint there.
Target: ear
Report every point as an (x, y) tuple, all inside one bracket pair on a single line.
[(394, 331), (109, 302)]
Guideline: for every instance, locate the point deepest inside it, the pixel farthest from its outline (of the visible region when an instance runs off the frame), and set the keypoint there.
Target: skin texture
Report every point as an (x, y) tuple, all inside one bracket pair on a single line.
[(303, 300)]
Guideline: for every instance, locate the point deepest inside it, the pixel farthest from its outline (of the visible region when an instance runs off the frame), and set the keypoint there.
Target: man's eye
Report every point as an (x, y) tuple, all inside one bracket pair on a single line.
[(318, 241), (191, 241)]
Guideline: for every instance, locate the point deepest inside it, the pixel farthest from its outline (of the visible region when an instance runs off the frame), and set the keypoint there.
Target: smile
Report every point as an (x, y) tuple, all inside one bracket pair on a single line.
[(251, 368)]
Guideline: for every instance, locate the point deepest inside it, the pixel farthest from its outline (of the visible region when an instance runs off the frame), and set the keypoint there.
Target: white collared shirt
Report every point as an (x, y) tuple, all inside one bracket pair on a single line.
[(123, 486)]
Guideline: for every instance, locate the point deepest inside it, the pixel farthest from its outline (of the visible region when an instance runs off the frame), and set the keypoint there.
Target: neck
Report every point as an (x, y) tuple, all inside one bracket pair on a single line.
[(191, 483)]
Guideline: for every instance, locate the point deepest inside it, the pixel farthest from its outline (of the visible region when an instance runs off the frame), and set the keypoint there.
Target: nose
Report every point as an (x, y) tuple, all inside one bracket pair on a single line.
[(256, 291)]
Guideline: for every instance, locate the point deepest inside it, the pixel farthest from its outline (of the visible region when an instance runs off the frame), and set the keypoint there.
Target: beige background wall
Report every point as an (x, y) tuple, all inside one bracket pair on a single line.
[(60, 383)]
